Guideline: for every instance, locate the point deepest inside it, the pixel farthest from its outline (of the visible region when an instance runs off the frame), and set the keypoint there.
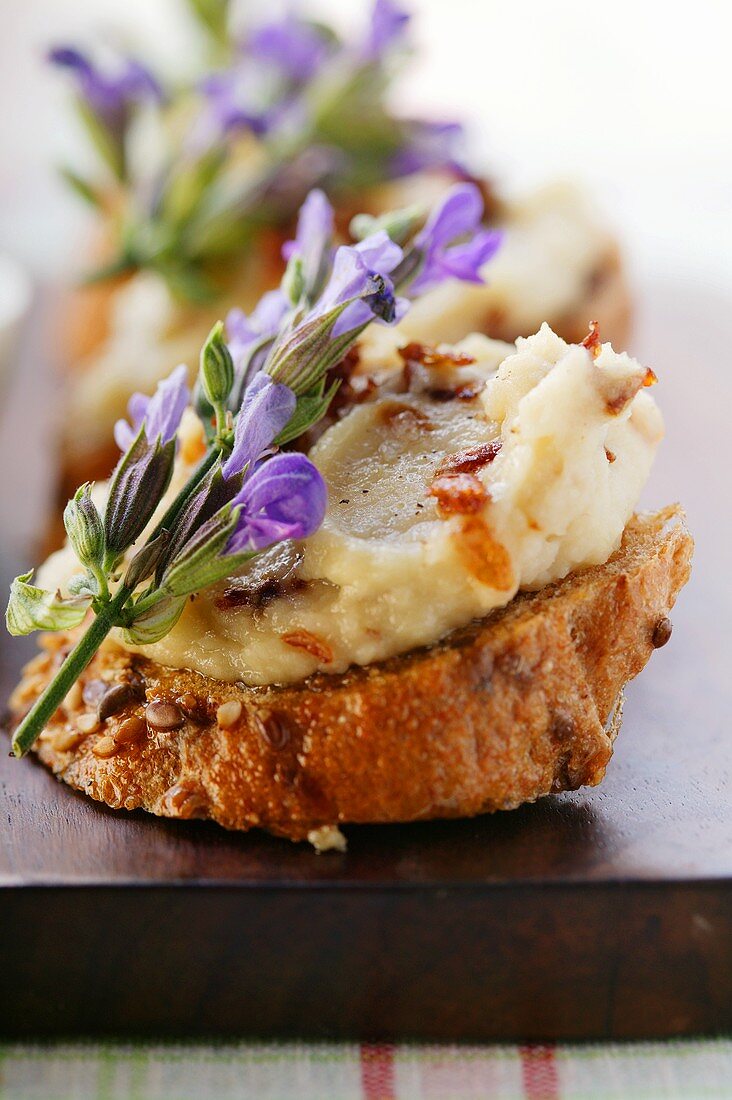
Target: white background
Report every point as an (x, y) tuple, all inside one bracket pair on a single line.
[(633, 96)]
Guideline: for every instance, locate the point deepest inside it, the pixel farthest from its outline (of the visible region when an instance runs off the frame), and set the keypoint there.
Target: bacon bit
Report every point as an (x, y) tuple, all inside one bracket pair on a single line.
[(311, 643), (397, 414), (624, 393), (482, 555), (469, 460), (430, 356), (462, 393), (458, 494), (610, 455), (354, 387), (592, 340), (261, 596), (649, 379)]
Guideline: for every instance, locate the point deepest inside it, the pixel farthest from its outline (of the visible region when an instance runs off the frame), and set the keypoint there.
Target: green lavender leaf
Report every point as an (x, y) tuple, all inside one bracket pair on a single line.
[(85, 190), (107, 145), (214, 15), (31, 608)]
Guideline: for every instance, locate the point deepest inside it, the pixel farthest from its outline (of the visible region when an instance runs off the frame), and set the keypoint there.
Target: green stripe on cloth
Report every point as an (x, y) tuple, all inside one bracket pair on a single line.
[(690, 1070)]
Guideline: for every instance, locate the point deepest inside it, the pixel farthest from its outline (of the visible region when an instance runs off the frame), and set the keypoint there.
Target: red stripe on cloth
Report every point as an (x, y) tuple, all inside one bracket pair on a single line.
[(377, 1071), (539, 1073)]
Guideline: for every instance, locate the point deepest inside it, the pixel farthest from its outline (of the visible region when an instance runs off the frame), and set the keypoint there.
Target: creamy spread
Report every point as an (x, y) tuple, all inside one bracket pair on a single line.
[(553, 245), (455, 484)]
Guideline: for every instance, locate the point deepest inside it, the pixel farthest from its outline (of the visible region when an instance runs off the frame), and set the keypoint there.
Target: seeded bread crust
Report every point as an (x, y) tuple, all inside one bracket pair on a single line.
[(519, 705)]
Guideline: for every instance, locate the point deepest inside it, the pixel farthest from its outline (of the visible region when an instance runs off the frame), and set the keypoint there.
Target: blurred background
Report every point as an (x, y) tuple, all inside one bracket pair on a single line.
[(633, 97)]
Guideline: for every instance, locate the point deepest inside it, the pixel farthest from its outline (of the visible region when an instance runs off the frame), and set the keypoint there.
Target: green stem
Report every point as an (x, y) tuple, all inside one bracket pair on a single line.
[(108, 616), (79, 657)]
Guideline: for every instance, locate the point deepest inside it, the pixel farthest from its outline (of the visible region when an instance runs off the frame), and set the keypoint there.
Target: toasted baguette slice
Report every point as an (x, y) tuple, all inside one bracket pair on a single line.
[(519, 705)]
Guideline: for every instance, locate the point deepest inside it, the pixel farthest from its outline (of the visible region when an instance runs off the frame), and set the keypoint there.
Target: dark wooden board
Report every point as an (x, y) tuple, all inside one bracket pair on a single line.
[(600, 914)]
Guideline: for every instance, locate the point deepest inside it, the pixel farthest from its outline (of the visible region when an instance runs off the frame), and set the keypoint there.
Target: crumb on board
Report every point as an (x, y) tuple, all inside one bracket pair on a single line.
[(327, 838)]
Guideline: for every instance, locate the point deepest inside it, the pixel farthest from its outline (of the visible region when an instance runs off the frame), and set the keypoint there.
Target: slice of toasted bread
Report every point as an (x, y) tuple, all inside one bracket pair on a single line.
[(508, 709)]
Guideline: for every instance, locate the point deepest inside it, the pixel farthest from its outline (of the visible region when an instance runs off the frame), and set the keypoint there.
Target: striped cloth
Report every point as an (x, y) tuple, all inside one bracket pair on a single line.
[(315, 1071)]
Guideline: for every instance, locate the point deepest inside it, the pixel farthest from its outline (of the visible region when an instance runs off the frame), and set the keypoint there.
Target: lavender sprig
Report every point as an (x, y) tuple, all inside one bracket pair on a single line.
[(107, 100), (245, 494), (314, 102)]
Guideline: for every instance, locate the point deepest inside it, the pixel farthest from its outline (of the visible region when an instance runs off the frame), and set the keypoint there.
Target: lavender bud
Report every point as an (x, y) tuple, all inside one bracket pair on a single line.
[(293, 281), (84, 527), (146, 560), (156, 621), (214, 493), (399, 224), (296, 361), (138, 483), (200, 562), (217, 367)]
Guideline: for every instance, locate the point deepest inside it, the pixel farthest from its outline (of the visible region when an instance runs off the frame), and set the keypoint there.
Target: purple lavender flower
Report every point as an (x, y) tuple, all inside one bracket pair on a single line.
[(313, 240), (386, 27), (266, 410), (241, 98), (160, 414), (285, 498), (243, 331), (361, 272), (295, 46), (452, 242), (109, 95), (258, 92), (428, 145), (359, 289)]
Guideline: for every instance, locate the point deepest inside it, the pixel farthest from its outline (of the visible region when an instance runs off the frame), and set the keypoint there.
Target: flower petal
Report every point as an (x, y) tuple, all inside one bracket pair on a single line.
[(167, 405), (452, 243), (266, 410), (464, 261), (108, 93), (459, 213), (285, 498), (243, 330), (313, 238), (428, 145), (379, 252), (161, 413), (294, 45), (354, 266), (386, 27)]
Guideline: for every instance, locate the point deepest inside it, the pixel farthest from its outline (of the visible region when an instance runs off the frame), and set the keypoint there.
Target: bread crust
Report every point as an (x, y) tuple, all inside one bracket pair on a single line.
[(516, 706)]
